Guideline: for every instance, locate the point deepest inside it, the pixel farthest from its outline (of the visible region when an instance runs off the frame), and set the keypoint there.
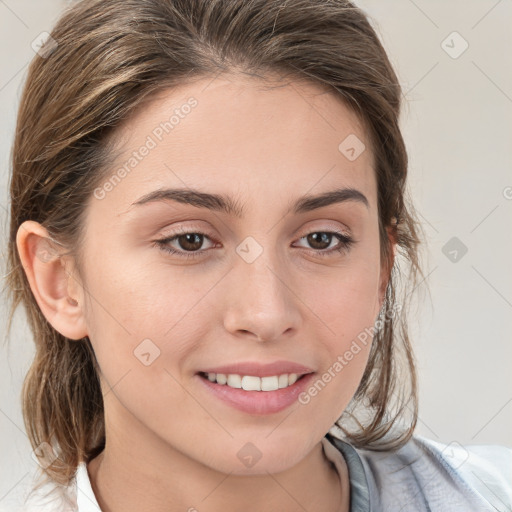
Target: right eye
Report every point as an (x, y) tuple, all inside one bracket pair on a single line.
[(190, 242)]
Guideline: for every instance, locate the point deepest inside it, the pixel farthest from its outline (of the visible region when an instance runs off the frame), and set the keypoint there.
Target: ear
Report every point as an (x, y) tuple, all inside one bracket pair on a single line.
[(387, 266), (56, 288)]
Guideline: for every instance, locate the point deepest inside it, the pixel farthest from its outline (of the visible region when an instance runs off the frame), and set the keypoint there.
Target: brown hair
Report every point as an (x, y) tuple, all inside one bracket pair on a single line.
[(111, 55)]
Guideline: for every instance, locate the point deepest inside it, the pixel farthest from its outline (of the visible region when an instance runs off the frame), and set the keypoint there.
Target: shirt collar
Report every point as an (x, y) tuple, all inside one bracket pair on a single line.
[(359, 485), (85, 498)]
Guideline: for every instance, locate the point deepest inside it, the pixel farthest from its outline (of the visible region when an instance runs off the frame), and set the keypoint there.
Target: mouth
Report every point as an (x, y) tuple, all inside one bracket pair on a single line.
[(254, 395), (252, 382)]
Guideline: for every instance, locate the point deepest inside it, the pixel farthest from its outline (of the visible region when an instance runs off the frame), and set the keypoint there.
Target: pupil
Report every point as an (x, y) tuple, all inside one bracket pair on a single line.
[(314, 237), (189, 240)]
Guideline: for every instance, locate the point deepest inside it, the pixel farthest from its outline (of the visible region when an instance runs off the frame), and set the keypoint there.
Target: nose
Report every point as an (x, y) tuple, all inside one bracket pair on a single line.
[(260, 301)]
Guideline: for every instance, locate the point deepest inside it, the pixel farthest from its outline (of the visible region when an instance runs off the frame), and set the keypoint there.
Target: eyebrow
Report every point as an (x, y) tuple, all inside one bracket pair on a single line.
[(229, 205)]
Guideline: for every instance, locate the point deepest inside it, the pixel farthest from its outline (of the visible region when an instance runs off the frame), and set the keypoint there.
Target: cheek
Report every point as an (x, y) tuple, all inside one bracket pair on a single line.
[(141, 343), (345, 300), (331, 391), (346, 308), (133, 295), (146, 318), (346, 345)]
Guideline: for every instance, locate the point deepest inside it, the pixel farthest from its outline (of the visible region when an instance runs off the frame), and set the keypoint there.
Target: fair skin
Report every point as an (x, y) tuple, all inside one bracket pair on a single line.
[(170, 444)]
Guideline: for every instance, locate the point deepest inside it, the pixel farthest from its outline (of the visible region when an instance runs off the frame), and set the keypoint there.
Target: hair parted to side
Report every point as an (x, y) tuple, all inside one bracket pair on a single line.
[(113, 54)]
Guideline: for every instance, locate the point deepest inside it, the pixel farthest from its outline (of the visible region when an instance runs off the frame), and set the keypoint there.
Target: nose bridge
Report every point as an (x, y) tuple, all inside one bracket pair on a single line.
[(262, 276), (260, 299)]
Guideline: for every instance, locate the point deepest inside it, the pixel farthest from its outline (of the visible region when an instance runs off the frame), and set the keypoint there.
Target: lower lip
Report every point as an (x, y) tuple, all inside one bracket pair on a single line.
[(258, 402)]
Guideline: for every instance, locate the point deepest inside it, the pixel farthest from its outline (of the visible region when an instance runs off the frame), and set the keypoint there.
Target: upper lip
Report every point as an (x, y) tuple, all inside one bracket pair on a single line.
[(260, 370)]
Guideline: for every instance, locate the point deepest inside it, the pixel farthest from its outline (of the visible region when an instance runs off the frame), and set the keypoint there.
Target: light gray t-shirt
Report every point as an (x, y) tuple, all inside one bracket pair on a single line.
[(424, 475)]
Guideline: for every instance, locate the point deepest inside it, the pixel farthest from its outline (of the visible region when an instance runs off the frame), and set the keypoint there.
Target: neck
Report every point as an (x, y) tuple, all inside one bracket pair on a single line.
[(126, 480), (152, 475)]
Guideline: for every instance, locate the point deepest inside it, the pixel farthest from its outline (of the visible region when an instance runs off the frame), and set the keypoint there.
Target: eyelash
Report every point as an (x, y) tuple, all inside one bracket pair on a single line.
[(345, 243)]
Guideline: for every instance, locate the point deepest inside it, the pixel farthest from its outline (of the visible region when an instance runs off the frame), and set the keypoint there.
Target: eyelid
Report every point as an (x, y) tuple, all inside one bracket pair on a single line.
[(335, 227), (181, 229), (185, 229), (328, 227)]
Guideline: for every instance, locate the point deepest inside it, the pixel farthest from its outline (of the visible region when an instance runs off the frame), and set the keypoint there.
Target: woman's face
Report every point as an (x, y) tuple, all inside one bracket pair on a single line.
[(260, 281)]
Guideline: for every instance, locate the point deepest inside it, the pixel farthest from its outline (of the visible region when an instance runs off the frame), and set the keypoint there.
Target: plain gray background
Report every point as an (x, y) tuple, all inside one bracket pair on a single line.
[(457, 123)]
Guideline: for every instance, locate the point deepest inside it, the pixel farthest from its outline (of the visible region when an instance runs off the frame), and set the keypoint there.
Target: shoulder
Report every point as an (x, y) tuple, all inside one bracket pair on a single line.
[(430, 475), (484, 469), (49, 496), (45, 495)]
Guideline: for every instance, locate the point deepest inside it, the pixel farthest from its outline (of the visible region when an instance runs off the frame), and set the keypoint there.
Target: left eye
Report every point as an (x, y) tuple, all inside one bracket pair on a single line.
[(191, 242), (326, 237), (188, 241)]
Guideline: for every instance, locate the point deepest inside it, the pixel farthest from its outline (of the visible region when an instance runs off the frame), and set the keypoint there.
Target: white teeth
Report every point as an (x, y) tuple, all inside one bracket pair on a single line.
[(283, 381), (252, 383), (269, 383), (234, 381), (220, 377)]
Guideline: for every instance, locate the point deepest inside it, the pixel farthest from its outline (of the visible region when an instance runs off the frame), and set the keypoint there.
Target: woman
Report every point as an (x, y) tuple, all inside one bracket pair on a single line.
[(207, 215)]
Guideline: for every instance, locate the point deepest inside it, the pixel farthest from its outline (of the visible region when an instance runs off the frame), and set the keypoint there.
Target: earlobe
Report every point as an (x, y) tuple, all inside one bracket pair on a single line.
[(55, 289)]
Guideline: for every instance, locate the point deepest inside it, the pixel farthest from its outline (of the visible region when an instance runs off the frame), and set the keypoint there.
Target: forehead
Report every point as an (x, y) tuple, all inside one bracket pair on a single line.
[(237, 132)]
